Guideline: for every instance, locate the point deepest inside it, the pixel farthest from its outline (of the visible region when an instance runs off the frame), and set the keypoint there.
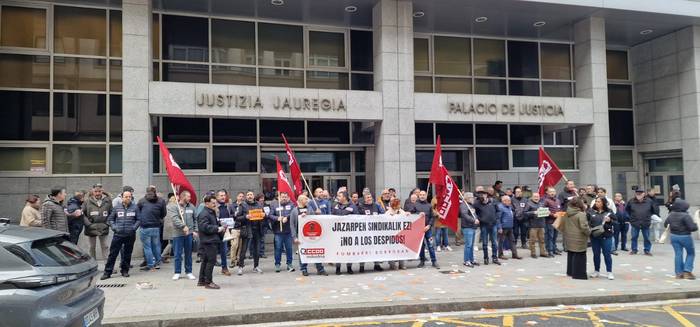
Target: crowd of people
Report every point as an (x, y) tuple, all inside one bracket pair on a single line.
[(225, 229)]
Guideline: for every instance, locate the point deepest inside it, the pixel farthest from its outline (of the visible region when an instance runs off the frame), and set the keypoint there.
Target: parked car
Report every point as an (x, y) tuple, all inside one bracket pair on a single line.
[(45, 280)]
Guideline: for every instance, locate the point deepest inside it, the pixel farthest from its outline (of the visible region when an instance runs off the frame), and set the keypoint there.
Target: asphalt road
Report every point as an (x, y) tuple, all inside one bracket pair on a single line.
[(662, 314)]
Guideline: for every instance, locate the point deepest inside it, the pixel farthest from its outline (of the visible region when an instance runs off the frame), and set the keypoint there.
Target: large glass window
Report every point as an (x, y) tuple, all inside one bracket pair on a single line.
[(455, 133), (188, 73), (491, 158), (326, 80), (421, 57), (24, 71), (564, 157), (115, 118), (280, 45), (235, 130), (235, 159), (190, 158), (424, 133), (556, 89), (23, 27), (280, 77), (185, 38), (271, 131), (80, 31), (326, 49), (452, 55), (617, 65), (115, 159), (319, 162), (622, 158), (491, 134), (362, 54), (25, 115), (232, 75), (425, 84), (177, 129), (556, 61), (621, 126), (452, 160), (525, 134), (490, 86), (525, 158), (115, 75), (115, 33), (489, 58), (233, 42), (23, 159), (521, 87), (320, 132), (79, 117), (523, 59), (620, 96), (79, 159), (453, 85), (80, 74), (363, 132)]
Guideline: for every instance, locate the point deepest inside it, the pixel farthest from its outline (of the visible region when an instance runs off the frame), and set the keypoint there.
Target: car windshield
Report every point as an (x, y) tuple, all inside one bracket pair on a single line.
[(57, 252)]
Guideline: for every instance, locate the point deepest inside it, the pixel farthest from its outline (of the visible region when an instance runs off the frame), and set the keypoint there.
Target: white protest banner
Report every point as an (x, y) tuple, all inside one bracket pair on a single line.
[(360, 238)]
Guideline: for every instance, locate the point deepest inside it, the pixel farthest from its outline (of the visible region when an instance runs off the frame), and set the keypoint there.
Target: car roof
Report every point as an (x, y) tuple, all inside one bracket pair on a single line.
[(18, 234)]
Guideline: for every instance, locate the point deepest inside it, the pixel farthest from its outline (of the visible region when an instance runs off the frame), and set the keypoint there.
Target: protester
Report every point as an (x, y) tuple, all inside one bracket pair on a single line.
[(441, 240), (537, 224), (505, 224), (74, 216), (235, 231), (487, 212), (355, 198), (576, 232), (469, 223), (601, 224), (249, 221), (568, 193), (184, 227), (225, 217), (96, 210), (167, 231), (343, 208), (301, 210), (384, 199), (621, 224), (498, 190), (589, 195), (30, 213), (53, 216), (656, 227), (640, 209), (281, 227), (152, 210), (410, 204), (118, 198), (520, 224), (124, 220), (319, 205), (681, 227), (550, 233), (209, 238), (368, 207), (602, 192)]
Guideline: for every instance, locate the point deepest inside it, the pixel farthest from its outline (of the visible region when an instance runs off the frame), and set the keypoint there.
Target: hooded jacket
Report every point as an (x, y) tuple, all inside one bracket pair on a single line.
[(519, 208), (487, 213), (124, 220), (30, 217), (640, 212), (73, 204), (505, 216), (152, 211), (576, 230), (53, 216), (95, 214), (680, 221), (177, 222)]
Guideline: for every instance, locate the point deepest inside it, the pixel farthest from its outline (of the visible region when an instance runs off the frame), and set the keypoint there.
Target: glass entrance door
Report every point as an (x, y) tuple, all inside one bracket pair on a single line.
[(333, 183), (663, 174)]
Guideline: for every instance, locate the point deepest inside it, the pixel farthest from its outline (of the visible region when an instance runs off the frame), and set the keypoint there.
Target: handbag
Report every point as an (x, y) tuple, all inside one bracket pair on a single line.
[(597, 230), (664, 235), (228, 236), (558, 223)]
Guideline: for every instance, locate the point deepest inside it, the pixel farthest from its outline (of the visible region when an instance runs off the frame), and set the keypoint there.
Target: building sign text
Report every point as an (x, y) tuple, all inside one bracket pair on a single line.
[(491, 109)]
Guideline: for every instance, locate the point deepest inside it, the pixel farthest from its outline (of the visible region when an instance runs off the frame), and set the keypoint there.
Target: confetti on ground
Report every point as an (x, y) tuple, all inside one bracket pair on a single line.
[(289, 303), (624, 264), (531, 323), (601, 289), (520, 269)]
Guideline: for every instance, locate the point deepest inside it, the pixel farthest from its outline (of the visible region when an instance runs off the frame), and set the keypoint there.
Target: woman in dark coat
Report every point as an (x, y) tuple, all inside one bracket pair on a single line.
[(576, 233)]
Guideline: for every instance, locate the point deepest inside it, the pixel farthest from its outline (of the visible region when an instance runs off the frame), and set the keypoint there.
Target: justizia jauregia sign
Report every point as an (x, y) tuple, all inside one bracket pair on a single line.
[(279, 103), (506, 109)]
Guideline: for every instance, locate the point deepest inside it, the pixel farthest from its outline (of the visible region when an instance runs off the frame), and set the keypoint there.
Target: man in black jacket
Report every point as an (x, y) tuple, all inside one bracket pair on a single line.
[(425, 207), (487, 211), (209, 241), (249, 220), (640, 209), (469, 224), (152, 210)]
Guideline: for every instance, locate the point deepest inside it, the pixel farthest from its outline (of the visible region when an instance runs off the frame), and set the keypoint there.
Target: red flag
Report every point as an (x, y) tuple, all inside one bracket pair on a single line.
[(293, 169), (175, 174), (283, 183), (548, 173), (447, 199), (435, 173)]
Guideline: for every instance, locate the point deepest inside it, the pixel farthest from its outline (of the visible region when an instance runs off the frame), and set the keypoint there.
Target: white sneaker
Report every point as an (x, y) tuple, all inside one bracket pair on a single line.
[(611, 276), (257, 270), (594, 274), (448, 248), (240, 271), (191, 276), (476, 249), (439, 249), (176, 276)]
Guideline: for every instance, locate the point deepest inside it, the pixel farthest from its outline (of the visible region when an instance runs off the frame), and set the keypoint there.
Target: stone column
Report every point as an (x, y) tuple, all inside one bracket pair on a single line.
[(592, 82), (393, 76), (136, 72), (689, 90)]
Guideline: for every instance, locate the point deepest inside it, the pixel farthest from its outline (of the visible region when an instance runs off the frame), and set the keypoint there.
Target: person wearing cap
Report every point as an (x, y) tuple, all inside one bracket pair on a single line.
[(96, 210), (640, 209)]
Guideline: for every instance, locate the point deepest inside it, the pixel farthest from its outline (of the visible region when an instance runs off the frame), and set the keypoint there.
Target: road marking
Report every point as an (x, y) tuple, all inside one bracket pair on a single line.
[(460, 322), (507, 321), (678, 316), (594, 319), (418, 324), (564, 317)]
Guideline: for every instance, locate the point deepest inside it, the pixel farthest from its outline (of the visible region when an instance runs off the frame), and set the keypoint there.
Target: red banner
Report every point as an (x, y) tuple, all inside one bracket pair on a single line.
[(294, 169), (446, 190), (283, 183), (548, 173), (175, 174)]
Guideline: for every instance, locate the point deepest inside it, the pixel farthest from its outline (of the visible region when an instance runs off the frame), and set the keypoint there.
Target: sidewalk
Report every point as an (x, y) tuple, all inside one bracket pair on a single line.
[(268, 297)]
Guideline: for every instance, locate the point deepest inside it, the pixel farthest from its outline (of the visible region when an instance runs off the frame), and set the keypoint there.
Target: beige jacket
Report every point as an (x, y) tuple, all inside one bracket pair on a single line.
[(30, 217)]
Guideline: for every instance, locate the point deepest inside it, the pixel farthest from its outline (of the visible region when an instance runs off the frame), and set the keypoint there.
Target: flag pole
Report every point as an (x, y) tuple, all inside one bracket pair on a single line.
[(311, 193), (279, 204), (177, 201)]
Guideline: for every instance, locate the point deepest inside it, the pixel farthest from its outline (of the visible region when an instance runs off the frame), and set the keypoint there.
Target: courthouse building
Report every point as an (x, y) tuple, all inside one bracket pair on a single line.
[(360, 88)]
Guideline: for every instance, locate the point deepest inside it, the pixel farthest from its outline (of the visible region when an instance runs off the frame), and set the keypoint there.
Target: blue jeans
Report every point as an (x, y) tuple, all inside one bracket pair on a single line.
[(620, 230), (150, 238), (304, 266), (283, 240), (427, 243), (645, 235), (223, 249), (441, 237), (468, 234), (550, 238), (680, 242), (598, 245), (487, 233), (183, 245)]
